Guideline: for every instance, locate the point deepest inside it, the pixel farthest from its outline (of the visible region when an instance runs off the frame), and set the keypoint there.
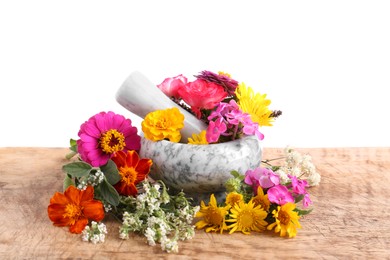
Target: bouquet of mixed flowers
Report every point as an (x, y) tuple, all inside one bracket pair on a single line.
[(107, 176)]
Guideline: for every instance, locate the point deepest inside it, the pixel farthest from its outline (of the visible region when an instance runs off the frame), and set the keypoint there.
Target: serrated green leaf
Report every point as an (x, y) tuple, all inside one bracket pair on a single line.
[(77, 169), (111, 172), (109, 193), (67, 182)]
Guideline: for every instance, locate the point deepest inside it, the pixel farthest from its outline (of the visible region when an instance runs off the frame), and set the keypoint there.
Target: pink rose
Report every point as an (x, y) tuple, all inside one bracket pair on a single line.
[(170, 86), (202, 94)]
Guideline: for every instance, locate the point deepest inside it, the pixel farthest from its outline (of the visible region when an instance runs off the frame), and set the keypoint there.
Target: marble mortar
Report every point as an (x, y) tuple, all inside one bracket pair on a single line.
[(200, 170)]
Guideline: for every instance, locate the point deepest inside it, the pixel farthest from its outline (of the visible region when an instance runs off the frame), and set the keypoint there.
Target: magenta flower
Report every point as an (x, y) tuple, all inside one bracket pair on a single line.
[(170, 86), (201, 94), (298, 186), (103, 135), (280, 195), (214, 130)]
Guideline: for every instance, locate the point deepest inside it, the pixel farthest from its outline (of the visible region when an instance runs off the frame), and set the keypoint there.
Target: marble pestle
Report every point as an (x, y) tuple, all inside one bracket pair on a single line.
[(140, 96)]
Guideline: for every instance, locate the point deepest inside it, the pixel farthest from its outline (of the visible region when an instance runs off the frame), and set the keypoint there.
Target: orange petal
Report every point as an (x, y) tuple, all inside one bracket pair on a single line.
[(78, 226), (56, 214), (119, 158), (93, 209), (143, 169), (87, 194), (59, 198), (132, 158), (73, 194)]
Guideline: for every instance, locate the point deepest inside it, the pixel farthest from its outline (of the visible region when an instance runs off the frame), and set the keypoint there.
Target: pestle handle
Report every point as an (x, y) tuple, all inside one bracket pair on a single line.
[(140, 96)]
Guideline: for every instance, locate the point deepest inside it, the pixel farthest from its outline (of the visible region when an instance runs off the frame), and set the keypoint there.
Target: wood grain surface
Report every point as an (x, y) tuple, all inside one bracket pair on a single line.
[(351, 217)]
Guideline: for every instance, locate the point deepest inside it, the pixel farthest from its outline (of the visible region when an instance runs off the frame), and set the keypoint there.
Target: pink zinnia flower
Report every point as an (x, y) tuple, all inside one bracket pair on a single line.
[(170, 86), (103, 135), (202, 94), (280, 195)]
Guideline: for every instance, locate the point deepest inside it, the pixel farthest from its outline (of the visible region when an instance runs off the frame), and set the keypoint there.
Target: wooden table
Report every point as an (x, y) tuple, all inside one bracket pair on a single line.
[(351, 217)]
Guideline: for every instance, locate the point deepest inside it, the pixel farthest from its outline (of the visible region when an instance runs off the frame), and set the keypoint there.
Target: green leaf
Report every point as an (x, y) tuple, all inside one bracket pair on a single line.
[(302, 212), (237, 175), (111, 172), (77, 169), (67, 182), (299, 198), (109, 193)]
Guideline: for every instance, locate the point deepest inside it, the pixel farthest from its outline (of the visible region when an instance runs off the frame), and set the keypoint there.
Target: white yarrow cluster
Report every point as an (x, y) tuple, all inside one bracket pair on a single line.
[(300, 166), (96, 233), (93, 179), (159, 217)]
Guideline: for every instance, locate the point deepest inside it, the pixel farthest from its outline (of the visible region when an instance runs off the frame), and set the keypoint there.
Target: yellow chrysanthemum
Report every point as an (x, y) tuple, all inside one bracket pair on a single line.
[(232, 198), (256, 105), (286, 220), (213, 217), (163, 124), (261, 199), (198, 138), (247, 217)]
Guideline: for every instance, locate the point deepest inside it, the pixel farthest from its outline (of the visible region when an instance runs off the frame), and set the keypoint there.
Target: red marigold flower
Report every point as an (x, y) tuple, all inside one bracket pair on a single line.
[(74, 208), (202, 94), (103, 135), (132, 169)]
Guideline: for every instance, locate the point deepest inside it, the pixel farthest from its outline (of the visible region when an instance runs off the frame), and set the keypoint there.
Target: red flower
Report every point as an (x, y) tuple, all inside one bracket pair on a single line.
[(202, 94), (74, 208), (132, 171)]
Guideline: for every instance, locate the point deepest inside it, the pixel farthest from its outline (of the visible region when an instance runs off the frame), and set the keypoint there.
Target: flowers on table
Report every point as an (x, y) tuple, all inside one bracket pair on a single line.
[(109, 177), (257, 201)]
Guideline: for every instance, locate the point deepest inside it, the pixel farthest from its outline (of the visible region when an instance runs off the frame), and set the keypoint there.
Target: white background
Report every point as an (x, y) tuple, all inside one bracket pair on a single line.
[(325, 64)]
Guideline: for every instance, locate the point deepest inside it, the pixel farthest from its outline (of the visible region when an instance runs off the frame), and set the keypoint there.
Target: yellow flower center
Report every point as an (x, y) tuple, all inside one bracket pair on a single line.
[(284, 218), (129, 175), (214, 217), (245, 219), (112, 141), (73, 212)]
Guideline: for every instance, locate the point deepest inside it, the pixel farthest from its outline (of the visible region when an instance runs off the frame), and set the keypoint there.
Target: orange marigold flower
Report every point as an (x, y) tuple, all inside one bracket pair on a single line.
[(74, 208), (132, 169)]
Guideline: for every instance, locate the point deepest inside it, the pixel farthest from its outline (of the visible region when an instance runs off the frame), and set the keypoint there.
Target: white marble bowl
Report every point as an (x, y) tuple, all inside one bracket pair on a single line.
[(200, 170)]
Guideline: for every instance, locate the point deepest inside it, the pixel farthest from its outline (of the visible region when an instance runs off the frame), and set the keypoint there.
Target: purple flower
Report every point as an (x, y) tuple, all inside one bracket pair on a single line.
[(225, 81), (280, 195)]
